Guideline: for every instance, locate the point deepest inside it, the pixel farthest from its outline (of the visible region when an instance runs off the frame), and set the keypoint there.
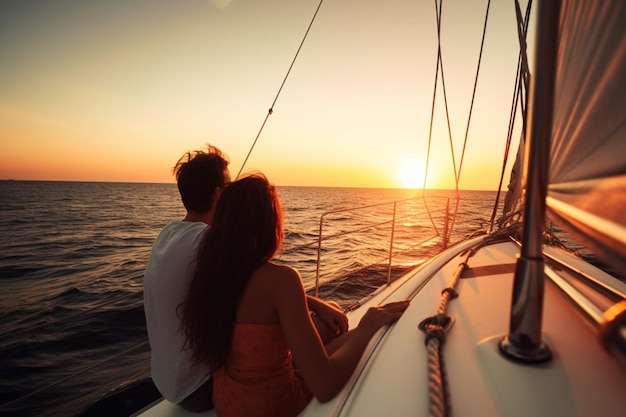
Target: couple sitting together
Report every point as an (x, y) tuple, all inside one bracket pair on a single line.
[(230, 329)]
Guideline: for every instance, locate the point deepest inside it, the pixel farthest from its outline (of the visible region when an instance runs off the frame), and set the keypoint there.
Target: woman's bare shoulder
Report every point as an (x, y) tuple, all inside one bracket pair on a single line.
[(278, 271), (268, 286), (281, 278)]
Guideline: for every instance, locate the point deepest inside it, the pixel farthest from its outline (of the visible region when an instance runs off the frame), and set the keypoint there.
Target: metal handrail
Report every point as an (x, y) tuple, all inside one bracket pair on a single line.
[(390, 253)]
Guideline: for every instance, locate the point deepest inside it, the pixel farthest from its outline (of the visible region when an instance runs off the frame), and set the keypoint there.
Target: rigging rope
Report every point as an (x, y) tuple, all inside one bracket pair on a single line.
[(271, 109), (432, 117), (439, 67), (435, 327), (521, 86), (469, 117)]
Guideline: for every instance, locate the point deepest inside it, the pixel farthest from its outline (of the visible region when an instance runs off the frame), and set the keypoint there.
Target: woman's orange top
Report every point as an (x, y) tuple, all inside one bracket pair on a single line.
[(259, 378)]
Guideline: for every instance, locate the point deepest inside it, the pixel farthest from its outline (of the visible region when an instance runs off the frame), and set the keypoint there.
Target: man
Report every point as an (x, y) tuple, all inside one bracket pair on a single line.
[(201, 176)]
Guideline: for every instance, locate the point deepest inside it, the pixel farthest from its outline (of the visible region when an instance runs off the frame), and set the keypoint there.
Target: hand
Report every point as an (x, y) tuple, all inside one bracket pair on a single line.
[(377, 317), (333, 317)]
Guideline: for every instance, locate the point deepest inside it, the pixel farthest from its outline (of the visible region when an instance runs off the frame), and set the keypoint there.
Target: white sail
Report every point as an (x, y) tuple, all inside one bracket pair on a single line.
[(587, 191)]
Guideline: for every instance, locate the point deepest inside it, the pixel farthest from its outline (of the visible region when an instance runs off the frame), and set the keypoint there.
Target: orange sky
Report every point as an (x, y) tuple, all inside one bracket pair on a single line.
[(117, 91)]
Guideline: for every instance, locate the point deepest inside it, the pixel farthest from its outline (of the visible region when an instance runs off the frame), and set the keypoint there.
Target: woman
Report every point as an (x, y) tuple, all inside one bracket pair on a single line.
[(266, 355)]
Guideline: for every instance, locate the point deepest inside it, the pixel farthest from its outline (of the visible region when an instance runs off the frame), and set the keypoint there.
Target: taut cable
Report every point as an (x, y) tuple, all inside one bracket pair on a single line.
[(271, 109)]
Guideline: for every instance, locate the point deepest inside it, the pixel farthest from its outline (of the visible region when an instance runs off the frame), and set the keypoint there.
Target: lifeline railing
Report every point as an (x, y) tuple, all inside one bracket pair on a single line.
[(432, 224), (390, 252)]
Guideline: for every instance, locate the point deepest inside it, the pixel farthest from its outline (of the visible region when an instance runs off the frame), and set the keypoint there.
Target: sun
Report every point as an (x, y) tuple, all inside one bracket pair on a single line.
[(410, 172)]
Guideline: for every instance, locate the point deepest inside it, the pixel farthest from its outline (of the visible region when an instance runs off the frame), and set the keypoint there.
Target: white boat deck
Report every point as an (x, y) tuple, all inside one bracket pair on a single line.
[(580, 380)]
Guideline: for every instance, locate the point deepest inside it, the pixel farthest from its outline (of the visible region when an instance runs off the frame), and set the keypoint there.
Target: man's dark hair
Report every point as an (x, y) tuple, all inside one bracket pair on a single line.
[(198, 174)]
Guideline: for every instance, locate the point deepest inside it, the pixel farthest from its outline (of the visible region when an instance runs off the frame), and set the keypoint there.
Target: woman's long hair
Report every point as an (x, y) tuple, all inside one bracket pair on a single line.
[(246, 232)]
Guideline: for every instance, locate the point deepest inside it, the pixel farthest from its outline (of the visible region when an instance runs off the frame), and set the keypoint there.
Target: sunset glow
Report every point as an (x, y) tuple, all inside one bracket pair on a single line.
[(118, 91), (411, 172)]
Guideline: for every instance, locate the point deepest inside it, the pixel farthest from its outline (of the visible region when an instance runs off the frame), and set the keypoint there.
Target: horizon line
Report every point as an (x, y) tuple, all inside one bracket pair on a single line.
[(277, 185)]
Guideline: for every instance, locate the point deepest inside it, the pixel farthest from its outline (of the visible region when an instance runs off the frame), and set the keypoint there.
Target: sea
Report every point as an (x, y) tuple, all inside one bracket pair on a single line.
[(73, 254)]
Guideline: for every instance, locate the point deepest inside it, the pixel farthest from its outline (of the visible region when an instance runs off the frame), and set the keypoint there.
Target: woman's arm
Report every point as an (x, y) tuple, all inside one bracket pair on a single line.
[(324, 375), (331, 315)]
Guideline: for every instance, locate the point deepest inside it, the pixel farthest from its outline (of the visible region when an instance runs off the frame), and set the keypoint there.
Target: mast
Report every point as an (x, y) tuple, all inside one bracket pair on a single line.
[(524, 339)]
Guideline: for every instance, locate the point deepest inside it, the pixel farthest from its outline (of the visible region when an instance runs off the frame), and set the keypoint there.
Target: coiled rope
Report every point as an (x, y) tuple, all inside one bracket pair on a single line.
[(435, 328)]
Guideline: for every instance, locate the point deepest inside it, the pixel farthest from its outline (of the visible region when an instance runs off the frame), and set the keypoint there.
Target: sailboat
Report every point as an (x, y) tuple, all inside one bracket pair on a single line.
[(509, 322)]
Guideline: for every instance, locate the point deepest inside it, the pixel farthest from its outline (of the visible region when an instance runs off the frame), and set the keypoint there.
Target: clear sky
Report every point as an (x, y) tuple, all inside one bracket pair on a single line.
[(118, 90)]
